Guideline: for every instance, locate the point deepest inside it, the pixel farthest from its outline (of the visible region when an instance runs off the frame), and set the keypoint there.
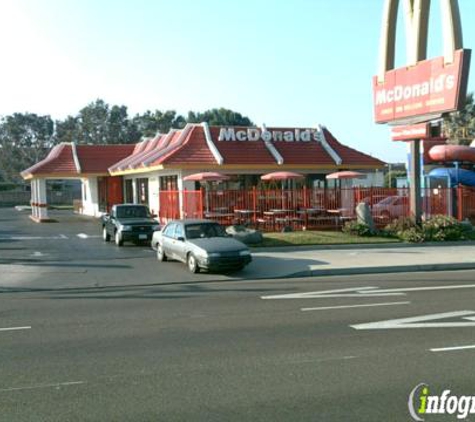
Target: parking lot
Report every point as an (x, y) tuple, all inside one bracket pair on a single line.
[(70, 252)]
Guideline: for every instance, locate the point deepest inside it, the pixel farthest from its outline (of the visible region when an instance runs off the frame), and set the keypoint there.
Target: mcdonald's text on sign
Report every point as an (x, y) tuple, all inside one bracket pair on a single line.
[(427, 88)]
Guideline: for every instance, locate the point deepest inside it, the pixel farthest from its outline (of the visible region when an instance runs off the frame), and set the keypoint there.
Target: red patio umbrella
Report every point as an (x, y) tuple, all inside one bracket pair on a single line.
[(282, 175), (346, 175), (206, 176)]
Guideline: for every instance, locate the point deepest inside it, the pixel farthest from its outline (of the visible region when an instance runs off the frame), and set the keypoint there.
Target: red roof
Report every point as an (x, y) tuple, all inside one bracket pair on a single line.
[(90, 159), (98, 158), (192, 150), (349, 155), (235, 152), (242, 146)]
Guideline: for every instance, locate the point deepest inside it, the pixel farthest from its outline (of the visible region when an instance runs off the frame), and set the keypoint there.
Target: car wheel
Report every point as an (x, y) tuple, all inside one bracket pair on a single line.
[(192, 264), (118, 239), (161, 254), (105, 236)]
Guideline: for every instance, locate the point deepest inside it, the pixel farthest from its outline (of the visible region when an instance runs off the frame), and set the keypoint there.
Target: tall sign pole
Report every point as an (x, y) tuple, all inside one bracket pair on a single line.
[(424, 89)]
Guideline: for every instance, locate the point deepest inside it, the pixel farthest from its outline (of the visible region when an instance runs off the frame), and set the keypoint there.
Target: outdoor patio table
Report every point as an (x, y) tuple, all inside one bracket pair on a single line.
[(281, 216), (244, 216), (221, 217)]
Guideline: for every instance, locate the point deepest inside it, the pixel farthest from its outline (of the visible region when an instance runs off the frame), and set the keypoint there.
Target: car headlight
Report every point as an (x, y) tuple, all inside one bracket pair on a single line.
[(244, 253), (124, 228), (214, 255), (201, 253)]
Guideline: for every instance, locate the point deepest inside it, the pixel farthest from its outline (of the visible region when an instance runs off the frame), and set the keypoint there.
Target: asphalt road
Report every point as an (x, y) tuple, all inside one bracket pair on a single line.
[(233, 351)]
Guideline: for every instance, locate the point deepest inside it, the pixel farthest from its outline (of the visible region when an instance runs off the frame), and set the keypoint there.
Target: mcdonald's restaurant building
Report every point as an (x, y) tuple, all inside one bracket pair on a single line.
[(136, 173)]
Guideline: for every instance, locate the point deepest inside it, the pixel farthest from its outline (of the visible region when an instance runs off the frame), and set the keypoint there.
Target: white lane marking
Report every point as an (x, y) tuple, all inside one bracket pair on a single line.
[(15, 328), (37, 253), (358, 292), (88, 236), (33, 387), (322, 359), (448, 349), (368, 305), (366, 292), (61, 236), (415, 322), (470, 318)]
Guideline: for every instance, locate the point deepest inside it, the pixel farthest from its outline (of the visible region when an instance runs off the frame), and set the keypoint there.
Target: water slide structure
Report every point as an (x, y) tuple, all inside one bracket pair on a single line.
[(455, 154)]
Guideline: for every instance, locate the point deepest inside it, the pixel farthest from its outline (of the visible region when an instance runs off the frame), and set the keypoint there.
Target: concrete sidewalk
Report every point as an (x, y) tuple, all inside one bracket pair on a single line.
[(358, 259)]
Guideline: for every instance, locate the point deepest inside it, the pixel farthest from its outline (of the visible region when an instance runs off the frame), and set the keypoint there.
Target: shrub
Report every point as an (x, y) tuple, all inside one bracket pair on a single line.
[(442, 227), (397, 227), (413, 235), (437, 228), (357, 229)]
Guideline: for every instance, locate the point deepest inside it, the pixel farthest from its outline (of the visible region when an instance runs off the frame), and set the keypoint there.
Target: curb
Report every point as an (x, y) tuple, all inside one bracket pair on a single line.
[(384, 270), (358, 246)]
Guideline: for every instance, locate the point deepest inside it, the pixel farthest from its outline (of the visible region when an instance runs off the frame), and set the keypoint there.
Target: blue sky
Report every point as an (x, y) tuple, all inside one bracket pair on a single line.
[(282, 63)]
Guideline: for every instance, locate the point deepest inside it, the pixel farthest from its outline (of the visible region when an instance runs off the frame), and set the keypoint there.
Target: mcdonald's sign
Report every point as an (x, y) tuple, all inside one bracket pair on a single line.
[(425, 88), (428, 88)]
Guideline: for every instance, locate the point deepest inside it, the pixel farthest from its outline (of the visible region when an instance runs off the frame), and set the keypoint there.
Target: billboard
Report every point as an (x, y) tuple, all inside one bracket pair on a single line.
[(429, 88)]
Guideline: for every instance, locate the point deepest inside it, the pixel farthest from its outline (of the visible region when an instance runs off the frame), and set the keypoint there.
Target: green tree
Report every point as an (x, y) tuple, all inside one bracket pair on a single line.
[(67, 130), (390, 178), (93, 123), (459, 126), (25, 138), (148, 124), (219, 117), (118, 131)]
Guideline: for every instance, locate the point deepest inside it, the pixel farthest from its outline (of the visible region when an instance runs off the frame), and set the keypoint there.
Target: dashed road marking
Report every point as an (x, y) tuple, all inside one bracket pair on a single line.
[(34, 387), (15, 328), (453, 348), (61, 236), (87, 236), (368, 305)]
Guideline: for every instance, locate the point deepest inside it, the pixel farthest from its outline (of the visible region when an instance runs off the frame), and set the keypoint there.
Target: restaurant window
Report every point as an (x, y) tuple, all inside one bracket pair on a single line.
[(129, 191), (142, 189), (168, 183)]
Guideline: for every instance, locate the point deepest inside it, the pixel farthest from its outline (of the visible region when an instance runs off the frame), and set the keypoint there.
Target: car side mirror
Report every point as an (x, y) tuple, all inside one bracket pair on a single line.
[(180, 238), (106, 216)]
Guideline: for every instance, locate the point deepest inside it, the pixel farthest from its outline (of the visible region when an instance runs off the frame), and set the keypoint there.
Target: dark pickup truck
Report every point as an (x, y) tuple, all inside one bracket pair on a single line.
[(129, 222)]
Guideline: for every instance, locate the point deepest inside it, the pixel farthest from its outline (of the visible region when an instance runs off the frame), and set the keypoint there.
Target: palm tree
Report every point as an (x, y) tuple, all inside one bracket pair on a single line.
[(459, 126)]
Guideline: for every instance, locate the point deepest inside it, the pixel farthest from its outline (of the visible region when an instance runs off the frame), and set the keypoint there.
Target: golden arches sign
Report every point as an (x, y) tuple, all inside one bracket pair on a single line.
[(423, 89), (416, 14)]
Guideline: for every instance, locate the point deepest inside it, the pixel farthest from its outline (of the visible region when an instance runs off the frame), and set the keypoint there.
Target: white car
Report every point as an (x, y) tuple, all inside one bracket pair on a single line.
[(201, 244)]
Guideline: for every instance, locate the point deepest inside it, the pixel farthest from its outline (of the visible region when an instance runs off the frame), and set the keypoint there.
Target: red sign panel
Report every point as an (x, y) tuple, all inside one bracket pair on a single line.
[(406, 133), (426, 89)]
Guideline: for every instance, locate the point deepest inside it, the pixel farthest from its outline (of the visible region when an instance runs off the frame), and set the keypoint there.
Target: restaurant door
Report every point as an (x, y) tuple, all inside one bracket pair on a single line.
[(110, 192)]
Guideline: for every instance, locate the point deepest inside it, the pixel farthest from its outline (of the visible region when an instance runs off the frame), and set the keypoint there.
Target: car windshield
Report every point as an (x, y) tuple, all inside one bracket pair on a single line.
[(132, 212), (196, 231)]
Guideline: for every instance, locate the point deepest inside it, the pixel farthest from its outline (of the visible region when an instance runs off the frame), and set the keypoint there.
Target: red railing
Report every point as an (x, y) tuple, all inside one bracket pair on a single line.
[(274, 209), (465, 203)]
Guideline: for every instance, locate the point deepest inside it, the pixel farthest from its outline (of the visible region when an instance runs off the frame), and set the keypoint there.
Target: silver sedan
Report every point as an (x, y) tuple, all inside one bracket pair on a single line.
[(201, 244)]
